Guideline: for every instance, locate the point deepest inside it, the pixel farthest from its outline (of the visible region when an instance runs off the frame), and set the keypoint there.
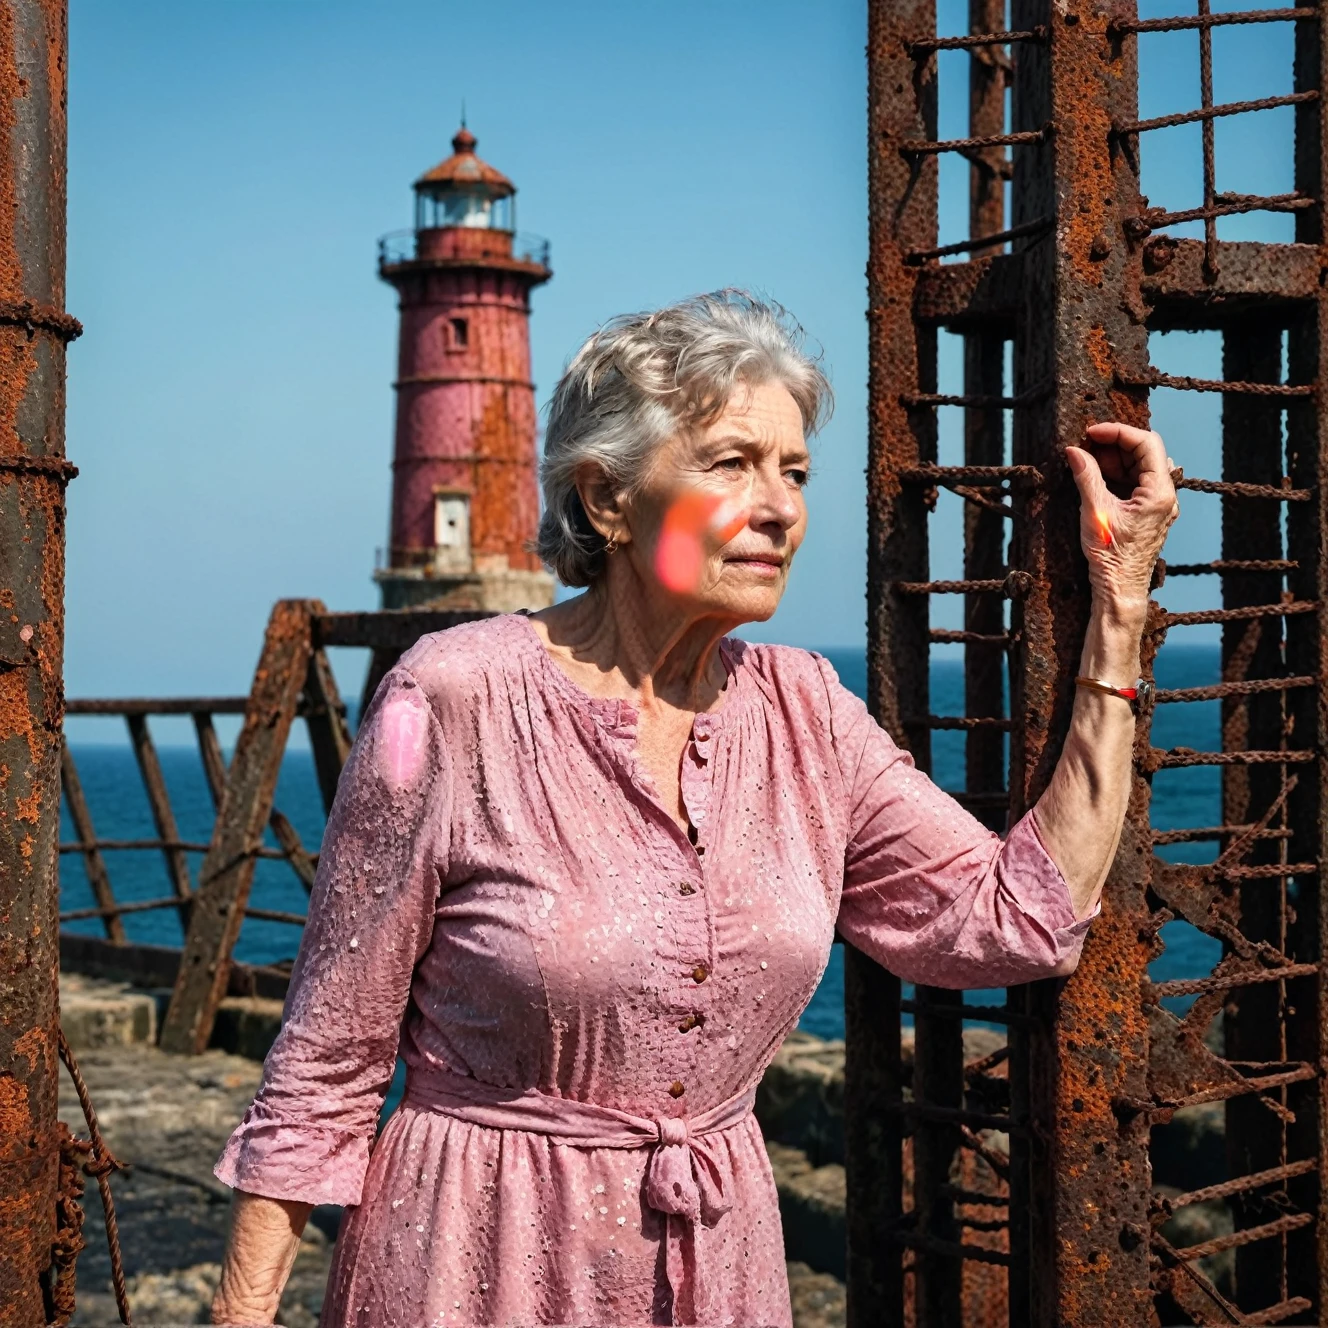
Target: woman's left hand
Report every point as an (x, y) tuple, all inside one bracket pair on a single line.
[(1122, 536)]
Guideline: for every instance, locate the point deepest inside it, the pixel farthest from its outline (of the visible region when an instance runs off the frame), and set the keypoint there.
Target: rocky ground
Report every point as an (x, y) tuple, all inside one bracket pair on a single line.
[(168, 1117)]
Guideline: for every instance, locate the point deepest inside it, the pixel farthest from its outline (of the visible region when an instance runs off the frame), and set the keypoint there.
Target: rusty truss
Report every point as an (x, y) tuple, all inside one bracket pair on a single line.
[(1018, 1188), (293, 681)]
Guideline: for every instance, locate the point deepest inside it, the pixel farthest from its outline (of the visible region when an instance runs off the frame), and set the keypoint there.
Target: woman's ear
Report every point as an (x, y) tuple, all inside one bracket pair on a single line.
[(603, 503)]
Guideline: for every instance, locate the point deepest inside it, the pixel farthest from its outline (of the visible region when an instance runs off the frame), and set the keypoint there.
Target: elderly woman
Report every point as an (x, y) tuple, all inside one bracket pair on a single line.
[(585, 866)]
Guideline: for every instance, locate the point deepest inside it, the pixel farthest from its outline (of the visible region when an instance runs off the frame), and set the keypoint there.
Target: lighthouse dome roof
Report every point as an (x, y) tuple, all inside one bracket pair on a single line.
[(464, 170)]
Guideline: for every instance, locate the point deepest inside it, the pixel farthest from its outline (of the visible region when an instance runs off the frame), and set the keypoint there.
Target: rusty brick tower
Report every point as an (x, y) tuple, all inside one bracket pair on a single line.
[(465, 501)]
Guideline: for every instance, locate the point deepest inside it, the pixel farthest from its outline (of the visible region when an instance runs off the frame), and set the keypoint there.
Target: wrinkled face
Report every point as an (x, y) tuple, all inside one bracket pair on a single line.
[(722, 513)]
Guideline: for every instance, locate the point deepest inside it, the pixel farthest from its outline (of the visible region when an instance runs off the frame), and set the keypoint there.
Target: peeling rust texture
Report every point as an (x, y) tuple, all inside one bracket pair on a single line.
[(1081, 327), (1071, 1226), (33, 48)]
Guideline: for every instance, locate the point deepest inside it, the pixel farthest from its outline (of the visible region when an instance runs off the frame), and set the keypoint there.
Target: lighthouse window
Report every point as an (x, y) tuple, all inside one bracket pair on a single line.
[(458, 334), (451, 532)]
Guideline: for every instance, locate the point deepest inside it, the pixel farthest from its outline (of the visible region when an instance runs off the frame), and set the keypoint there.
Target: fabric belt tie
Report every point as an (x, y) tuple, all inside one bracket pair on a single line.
[(685, 1175)]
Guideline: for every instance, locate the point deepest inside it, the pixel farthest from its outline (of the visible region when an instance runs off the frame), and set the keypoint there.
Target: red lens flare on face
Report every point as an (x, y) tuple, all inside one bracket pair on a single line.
[(1103, 528), (692, 522)]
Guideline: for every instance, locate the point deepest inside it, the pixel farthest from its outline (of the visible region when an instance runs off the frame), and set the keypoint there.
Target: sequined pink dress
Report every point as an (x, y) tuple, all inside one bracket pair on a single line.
[(584, 1000)]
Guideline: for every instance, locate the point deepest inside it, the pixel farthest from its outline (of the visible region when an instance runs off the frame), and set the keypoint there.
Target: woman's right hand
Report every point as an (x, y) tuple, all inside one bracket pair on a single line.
[(264, 1239)]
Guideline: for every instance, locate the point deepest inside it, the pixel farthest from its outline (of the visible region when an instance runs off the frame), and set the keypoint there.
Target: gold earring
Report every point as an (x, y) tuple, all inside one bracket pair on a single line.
[(611, 544)]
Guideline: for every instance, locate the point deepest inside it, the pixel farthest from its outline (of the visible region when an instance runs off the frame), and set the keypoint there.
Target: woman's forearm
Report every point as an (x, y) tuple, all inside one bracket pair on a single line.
[(1081, 812), (264, 1238)]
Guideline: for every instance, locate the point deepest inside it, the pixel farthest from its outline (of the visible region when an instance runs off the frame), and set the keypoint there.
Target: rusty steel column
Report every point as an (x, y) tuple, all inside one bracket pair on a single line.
[(901, 107), (1082, 329), (1306, 1250), (33, 332), (1252, 453)]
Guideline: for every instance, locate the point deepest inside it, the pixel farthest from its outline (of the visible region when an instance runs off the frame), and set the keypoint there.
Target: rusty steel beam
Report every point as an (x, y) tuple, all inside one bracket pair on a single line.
[(387, 629), (938, 1056), (901, 108), (1081, 329), (329, 734), (163, 815), (984, 293), (1252, 649), (228, 869), (33, 332)]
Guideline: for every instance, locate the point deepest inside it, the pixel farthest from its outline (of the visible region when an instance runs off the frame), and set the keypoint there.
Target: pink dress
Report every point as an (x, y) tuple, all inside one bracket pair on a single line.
[(584, 999)]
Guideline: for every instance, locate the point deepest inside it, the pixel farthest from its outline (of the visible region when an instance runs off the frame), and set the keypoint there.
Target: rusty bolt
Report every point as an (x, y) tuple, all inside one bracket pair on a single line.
[(1137, 228), (1100, 248), (1159, 252), (1017, 585)]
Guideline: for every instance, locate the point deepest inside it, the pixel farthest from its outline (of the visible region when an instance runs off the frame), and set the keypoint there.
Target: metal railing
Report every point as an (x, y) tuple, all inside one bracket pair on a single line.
[(402, 247)]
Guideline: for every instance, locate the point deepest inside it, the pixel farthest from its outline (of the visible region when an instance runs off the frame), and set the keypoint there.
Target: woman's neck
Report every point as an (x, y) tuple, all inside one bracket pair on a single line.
[(648, 647)]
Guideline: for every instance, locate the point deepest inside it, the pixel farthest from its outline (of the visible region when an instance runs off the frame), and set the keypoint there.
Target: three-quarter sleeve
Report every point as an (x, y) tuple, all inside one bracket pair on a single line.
[(308, 1133), (929, 892)]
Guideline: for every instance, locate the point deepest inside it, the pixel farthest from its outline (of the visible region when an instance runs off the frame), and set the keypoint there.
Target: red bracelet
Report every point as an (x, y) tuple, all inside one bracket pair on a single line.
[(1141, 691)]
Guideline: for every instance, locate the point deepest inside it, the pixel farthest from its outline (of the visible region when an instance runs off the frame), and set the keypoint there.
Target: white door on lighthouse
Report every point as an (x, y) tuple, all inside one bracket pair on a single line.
[(451, 532)]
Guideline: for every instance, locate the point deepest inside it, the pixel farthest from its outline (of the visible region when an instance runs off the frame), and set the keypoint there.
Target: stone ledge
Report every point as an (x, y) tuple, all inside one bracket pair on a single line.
[(105, 1014), (96, 1013), (811, 1207), (247, 1026)]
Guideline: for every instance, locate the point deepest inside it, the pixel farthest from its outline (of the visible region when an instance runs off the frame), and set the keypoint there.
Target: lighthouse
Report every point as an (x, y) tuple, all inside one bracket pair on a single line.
[(465, 494)]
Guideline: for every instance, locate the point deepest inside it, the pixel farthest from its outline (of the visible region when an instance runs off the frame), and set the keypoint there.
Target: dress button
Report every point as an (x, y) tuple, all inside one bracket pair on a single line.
[(690, 1022), (687, 888), (700, 973), (676, 1089)]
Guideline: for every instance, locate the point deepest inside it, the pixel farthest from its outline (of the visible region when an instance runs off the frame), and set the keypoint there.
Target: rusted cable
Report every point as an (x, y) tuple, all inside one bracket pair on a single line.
[(1216, 112), (1220, 565), (275, 915), (1227, 981), (1185, 383), (101, 1164), (1234, 489), (1285, 610), (1225, 1189), (1178, 757), (1226, 205), (983, 242), (973, 402), (1029, 475), (964, 722), (1183, 21), (923, 149), (1015, 586), (941, 634), (929, 44), (1200, 833), (1245, 687)]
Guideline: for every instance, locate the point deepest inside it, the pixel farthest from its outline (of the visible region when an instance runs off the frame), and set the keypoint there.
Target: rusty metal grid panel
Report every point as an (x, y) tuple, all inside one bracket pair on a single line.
[(1016, 1187)]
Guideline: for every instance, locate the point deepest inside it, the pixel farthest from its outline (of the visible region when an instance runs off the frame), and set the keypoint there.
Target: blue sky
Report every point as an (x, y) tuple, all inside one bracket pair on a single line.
[(232, 165)]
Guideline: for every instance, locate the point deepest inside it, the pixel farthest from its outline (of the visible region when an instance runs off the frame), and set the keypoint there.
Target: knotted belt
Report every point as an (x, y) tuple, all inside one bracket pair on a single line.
[(684, 1176)]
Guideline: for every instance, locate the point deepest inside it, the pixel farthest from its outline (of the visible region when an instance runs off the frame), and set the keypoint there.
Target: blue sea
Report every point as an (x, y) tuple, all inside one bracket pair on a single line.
[(1186, 797)]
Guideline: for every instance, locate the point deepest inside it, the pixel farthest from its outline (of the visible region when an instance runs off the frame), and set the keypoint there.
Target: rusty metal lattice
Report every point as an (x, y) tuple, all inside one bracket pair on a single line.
[(1016, 1188), (293, 680)]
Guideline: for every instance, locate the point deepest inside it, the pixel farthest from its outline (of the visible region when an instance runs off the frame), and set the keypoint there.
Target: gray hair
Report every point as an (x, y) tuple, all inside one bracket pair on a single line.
[(642, 377)]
